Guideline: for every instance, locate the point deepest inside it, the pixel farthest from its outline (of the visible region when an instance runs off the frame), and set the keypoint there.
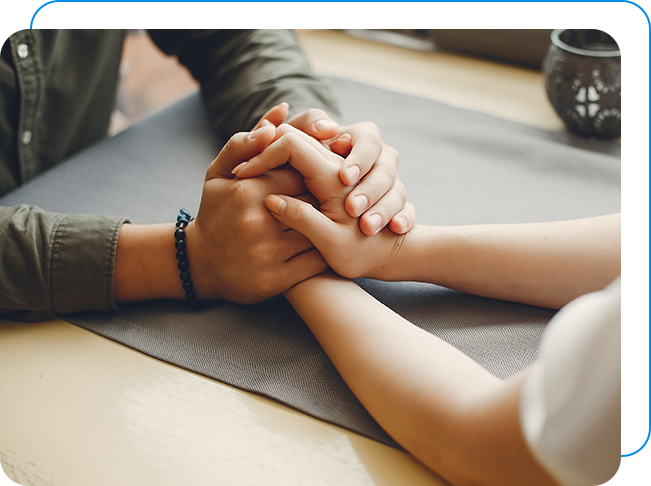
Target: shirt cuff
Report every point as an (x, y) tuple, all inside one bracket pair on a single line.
[(82, 263)]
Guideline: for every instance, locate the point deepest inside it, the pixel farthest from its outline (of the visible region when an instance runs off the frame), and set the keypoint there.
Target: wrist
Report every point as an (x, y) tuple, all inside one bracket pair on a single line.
[(145, 264), (204, 274), (311, 286), (433, 253), (183, 221), (402, 255)]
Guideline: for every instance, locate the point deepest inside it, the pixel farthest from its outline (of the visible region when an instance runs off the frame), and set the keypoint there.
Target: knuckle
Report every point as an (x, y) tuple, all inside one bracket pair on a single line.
[(369, 132), (241, 191), (374, 189), (391, 155), (231, 144), (371, 127), (376, 140), (301, 216), (390, 171), (401, 191), (250, 223), (284, 129), (316, 113), (393, 203), (289, 139)]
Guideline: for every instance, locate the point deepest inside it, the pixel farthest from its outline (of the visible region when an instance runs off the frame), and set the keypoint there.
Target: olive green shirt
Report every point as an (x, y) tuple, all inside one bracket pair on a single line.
[(57, 93)]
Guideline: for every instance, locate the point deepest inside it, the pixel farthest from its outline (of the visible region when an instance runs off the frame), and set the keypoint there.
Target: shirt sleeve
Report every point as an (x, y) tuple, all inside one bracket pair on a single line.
[(570, 409), (243, 73), (54, 263)]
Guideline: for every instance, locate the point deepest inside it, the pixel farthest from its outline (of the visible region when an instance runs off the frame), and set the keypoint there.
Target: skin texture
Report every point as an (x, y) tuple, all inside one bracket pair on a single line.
[(445, 409), (440, 405), (546, 264), (237, 251), (368, 166)]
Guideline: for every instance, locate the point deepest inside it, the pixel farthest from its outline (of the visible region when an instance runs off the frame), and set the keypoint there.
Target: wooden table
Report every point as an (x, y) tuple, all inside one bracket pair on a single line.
[(78, 409)]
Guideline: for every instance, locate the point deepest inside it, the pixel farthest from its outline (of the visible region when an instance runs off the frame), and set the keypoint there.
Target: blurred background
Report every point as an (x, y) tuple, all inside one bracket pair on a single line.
[(495, 71)]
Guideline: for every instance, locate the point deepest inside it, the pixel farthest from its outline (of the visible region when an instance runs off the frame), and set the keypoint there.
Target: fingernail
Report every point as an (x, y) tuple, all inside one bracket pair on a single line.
[(401, 222), (256, 133), (374, 221), (352, 173), (360, 202), (346, 136), (275, 204), (322, 125), (285, 104), (238, 168)]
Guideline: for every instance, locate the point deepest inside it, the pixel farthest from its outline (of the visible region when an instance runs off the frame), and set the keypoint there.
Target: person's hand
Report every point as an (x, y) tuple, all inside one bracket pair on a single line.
[(331, 229), (380, 197), (237, 250)]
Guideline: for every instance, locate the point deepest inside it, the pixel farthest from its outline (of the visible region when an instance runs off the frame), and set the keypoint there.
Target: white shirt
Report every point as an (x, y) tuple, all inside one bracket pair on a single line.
[(570, 410)]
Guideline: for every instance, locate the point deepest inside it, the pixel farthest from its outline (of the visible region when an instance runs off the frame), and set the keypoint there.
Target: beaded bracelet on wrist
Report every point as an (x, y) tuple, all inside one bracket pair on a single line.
[(182, 220)]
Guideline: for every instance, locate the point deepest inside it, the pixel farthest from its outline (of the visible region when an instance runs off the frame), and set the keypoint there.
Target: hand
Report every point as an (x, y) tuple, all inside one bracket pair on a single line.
[(380, 197), (237, 250), (332, 230)]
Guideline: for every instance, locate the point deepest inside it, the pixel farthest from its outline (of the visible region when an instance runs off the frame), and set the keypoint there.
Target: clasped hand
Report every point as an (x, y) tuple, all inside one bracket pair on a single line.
[(332, 230), (241, 252)]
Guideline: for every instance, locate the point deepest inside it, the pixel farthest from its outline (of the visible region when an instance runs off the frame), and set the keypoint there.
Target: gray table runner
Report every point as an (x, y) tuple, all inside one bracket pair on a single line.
[(459, 167)]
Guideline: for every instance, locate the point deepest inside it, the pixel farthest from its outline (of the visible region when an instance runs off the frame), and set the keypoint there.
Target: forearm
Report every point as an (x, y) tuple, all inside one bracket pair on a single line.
[(265, 67), (243, 73), (546, 264), (432, 399), (392, 366)]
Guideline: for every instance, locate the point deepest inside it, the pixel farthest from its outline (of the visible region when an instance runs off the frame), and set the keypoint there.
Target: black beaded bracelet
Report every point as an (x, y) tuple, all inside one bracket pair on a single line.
[(182, 220)]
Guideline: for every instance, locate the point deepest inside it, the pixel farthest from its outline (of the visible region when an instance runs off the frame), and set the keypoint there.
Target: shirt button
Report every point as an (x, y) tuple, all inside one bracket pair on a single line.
[(23, 51), (27, 137)]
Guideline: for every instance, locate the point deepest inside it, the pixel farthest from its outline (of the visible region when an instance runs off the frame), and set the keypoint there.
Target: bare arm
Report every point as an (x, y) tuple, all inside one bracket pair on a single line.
[(453, 415), (441, 406), (545, 264)]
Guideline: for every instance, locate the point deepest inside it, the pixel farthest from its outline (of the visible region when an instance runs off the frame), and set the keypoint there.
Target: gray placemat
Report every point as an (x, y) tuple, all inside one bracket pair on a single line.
[(459, 167)]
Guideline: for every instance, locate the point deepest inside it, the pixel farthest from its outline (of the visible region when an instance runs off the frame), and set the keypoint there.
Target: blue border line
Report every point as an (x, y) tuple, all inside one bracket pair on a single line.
[(31, 23), (637, 460)]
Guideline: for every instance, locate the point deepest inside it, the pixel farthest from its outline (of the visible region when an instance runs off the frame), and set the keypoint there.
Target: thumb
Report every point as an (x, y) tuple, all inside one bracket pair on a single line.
[(343, 145), (302, 217), (316, 123), (241, 147), (275, 115)]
